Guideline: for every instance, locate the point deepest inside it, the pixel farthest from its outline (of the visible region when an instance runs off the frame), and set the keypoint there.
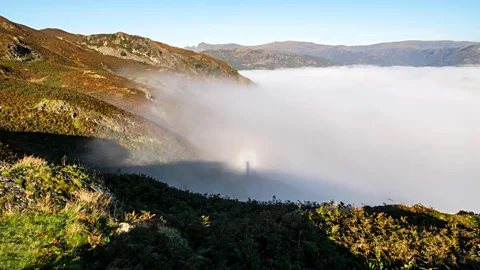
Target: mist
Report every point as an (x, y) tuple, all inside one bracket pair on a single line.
[(359, 134)]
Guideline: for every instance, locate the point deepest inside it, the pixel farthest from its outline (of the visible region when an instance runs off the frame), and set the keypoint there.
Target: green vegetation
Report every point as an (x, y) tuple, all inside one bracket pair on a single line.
[(50, 214), (63, 216)]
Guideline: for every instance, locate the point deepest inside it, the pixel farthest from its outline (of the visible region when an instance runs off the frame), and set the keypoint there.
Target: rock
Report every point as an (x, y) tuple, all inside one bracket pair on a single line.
[(124, 228)]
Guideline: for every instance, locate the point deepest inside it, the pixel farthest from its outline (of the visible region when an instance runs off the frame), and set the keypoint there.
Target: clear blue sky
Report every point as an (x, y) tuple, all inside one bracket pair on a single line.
[(182, 23)]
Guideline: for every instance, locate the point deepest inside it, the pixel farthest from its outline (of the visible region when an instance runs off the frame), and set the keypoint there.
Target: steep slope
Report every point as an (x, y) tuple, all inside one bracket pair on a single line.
[(60, 61), (54, 85), (31, 112), (46, 59), (202, 46), (466, 56), (105, 75), (245, 58)]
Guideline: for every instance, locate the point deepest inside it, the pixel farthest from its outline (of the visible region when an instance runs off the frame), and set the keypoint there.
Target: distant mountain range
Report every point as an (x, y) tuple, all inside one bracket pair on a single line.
[(246, 58), (466, 56), (202, 46), (404, 53)]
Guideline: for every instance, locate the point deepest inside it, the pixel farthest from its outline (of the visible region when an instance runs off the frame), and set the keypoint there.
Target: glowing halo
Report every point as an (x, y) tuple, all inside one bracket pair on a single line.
[(244, 156)]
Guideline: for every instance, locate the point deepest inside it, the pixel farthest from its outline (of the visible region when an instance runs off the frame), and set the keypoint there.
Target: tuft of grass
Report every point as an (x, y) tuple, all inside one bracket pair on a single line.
[(36, 239), (50, 215)]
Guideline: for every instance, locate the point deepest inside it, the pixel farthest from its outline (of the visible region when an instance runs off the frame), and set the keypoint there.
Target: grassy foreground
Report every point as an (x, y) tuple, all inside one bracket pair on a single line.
[(62, 216)]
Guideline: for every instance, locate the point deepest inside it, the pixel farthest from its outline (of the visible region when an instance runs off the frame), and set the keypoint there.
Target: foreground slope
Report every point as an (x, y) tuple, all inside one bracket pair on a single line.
[(62, 216), (245, 58)]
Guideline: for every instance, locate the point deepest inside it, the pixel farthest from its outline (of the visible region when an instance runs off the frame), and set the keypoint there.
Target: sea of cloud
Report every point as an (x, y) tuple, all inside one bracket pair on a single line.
[(396, 134)]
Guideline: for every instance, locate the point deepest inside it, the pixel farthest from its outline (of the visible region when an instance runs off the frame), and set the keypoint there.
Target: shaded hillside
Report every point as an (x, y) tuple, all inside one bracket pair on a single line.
[(466, 56), (202, 46), (245, 58)]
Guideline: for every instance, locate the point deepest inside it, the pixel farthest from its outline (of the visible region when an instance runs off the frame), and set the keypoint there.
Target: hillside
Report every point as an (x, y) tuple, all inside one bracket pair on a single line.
[(403, 53), (52, 85), (63, 63), (245, 58), (110, 69)]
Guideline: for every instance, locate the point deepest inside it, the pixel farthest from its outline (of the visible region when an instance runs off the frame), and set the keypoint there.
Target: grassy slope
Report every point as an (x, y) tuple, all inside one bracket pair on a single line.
[(30, 107), (112, 79), (74, 220), (58, 225)]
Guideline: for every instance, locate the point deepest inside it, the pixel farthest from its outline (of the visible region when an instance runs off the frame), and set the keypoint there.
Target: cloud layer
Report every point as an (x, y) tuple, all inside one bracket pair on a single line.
[(410, 135)]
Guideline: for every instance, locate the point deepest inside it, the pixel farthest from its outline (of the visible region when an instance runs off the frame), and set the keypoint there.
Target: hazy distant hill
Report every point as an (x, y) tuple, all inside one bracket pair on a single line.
[(404, 53), (245, 58), (466, 56), (202, 46)]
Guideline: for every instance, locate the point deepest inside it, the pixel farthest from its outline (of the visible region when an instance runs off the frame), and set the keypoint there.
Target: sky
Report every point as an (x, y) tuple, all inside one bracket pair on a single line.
[(252, 22)]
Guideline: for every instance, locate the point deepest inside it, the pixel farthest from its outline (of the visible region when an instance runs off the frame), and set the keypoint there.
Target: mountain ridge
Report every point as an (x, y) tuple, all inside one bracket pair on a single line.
[(404, 53), (246, 58)]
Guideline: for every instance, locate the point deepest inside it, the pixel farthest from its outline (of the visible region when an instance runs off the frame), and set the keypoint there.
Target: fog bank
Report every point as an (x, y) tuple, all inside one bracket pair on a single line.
[(401, 134)]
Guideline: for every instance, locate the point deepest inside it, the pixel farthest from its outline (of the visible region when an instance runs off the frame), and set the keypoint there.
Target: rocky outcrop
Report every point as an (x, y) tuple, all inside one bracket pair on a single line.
[(162, 56), (13, 48)]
